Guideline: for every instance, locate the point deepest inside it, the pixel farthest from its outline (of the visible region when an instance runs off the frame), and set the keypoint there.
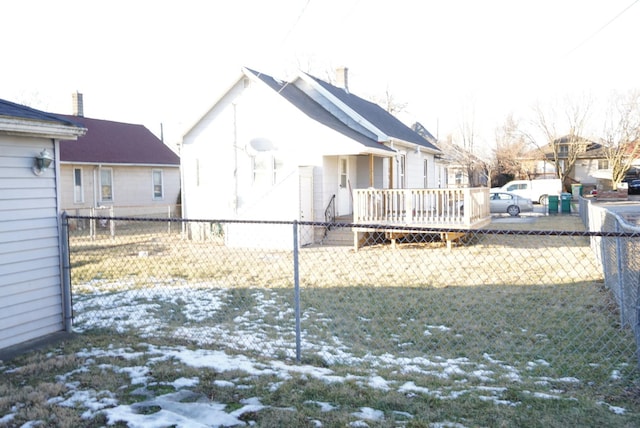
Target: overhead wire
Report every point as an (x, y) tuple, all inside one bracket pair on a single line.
[(595, 33)]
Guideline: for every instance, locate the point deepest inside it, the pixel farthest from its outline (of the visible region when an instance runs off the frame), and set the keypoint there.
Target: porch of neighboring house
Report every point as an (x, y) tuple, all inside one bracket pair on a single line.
[(450, 212)]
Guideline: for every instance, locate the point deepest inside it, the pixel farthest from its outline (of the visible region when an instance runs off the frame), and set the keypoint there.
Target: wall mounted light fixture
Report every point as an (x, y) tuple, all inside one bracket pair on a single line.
[(43, 162)]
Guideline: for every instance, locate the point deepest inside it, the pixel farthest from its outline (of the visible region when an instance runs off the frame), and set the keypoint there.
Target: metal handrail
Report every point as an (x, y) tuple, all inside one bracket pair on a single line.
[(330, 214), (330, 211)]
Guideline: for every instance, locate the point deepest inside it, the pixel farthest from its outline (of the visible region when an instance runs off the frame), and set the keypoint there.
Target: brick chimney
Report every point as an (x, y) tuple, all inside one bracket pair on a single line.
[(342, 78), (78, 105)]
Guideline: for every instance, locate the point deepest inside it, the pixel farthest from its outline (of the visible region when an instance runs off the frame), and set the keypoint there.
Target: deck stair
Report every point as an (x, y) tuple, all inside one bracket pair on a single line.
[(338, 236)]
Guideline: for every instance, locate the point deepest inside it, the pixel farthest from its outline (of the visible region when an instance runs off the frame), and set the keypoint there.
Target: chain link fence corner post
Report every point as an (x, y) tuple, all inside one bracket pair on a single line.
[(65, 258)]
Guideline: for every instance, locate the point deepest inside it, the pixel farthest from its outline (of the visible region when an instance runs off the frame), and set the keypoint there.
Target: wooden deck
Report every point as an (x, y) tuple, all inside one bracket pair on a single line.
[(418, 210)]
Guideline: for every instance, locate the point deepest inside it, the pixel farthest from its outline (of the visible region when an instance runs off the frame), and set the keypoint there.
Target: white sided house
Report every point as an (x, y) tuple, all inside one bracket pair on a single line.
[(32, 292), (118, 168), (302, 150)]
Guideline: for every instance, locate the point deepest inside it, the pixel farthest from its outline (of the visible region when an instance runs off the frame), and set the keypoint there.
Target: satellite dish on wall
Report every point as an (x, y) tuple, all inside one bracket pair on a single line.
[(262, 145)]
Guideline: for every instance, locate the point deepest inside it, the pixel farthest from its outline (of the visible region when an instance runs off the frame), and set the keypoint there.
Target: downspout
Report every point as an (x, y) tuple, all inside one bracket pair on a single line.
[(63, 229), (392, 162), (235, 160), (95, 186), (371, 175)]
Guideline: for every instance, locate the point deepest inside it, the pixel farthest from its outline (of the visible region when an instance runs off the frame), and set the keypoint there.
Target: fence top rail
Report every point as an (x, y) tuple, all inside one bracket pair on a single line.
[(420, 190), (382, 227), (173, 219)]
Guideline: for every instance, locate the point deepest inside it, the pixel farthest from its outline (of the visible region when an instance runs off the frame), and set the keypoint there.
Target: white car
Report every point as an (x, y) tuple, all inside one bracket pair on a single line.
[(510, 203)]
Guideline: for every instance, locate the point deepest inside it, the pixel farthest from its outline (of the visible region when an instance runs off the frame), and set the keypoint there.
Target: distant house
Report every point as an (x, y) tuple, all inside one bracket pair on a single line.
[(464, 169), (118, 165), (33, 299), (591, 167), (299, 150)]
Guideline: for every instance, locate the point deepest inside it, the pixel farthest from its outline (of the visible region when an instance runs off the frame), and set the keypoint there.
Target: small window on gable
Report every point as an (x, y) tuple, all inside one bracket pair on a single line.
[(158, 188), (78, 192)]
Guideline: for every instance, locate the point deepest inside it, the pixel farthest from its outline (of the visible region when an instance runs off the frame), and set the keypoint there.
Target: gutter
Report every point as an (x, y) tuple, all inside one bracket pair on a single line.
[(40, 129)]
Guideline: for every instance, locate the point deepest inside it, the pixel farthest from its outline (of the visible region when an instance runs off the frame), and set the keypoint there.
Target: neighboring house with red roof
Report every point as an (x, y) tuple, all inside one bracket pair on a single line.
[(119, 165), (34, 299)]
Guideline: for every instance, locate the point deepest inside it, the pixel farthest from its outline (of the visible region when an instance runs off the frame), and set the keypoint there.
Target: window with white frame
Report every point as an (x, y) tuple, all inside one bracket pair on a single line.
[(266, 169), (277, 169), (78, 192), (158, 187), (106, 185), (343, 173), (459, 178), (603, 164)]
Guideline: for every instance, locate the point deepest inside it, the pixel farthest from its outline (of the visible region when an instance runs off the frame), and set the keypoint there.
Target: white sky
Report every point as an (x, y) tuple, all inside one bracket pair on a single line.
[(157, 61)]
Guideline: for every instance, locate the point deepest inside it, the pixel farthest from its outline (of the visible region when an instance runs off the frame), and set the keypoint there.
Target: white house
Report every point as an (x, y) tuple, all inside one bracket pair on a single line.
[(117, 165), (32, 300), (275, 150), (591, 168)]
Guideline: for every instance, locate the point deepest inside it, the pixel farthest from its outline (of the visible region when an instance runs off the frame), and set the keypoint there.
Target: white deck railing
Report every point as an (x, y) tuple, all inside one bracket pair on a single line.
[(453, 208)]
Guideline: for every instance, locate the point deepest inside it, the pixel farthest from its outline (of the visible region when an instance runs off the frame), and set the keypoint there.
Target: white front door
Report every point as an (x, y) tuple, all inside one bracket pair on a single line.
[(343, 206)]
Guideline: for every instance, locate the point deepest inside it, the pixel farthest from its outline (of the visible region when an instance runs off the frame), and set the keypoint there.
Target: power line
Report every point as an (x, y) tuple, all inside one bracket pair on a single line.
[(295, 24), (601, 28)]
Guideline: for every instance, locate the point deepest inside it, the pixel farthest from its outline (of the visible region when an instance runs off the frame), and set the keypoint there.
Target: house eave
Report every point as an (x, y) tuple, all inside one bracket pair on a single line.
[(412, 146), (12, 126), (114, 164), (243, 75)]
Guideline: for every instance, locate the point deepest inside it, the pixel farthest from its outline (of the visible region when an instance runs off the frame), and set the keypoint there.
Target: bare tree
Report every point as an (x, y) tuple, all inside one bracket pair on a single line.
[(621, 134), (511, 147), (564, 139), (389, 102), (474, 167)]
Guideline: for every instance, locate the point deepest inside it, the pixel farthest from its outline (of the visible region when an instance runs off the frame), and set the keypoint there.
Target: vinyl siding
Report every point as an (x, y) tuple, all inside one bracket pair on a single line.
[(30, 281), (132, 187)]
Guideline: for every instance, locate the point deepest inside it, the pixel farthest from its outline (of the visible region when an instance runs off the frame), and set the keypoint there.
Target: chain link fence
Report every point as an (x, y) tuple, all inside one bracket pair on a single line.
[(520, 294), (617, 256)]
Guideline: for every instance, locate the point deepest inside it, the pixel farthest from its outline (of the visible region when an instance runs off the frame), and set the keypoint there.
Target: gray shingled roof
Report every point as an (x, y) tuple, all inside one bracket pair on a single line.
[(316, 112), (378, 116), (10, 109)]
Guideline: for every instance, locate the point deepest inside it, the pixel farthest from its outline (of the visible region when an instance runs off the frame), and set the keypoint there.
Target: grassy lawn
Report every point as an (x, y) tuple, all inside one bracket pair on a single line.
[(512, 330)]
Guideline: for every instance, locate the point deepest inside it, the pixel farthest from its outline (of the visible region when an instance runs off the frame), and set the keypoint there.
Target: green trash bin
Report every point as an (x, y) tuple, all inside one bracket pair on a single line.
[(553, 204), (576, 190), (565, 202)]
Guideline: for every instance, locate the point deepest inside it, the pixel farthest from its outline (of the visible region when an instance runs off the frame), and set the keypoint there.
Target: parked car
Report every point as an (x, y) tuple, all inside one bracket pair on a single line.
[(634, 187), (510, 203)]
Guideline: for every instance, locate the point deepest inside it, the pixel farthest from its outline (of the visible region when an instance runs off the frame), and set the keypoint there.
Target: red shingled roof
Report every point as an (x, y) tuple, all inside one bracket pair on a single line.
[(115, 143)]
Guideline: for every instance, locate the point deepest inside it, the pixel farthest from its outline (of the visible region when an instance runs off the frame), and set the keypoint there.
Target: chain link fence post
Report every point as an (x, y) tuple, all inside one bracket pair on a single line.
[(620, 282), (296, 286), (67, 313)]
